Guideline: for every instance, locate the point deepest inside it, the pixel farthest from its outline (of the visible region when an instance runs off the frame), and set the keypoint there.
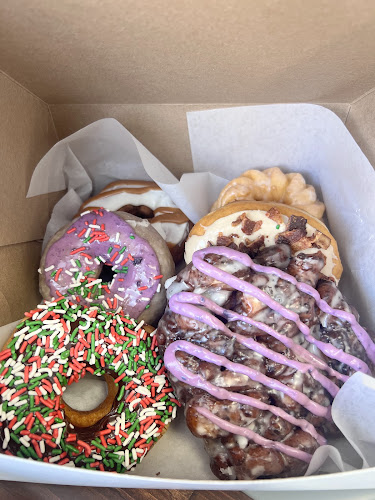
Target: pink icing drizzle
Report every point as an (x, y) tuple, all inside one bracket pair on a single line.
[(183, 303), (242, 431), (196, 380)]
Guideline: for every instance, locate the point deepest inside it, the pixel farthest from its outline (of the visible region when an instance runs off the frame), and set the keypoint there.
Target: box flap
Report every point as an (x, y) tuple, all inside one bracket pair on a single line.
[(26, 134), (198, 52)]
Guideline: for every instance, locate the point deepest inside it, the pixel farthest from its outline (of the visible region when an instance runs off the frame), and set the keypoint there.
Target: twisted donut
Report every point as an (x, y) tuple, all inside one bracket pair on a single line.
[(272, 185)]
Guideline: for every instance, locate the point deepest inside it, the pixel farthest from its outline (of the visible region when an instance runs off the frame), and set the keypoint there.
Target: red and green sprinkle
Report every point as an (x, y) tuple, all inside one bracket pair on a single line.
[(54, 346), (84, 268)]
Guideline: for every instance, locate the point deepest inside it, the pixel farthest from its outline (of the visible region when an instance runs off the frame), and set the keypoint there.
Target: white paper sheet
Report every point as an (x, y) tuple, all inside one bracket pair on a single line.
[(304, 138), (85, 162)]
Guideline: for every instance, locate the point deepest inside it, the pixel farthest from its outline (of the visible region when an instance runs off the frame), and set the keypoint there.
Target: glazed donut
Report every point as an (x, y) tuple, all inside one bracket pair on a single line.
[(146, 200), (256, 356), (250, 226), (109, 258), (272, 185), (58, 343)]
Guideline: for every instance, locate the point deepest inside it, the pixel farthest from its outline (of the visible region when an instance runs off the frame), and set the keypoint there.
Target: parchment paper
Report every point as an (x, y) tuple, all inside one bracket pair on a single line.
[(304, 138), (85, 162)]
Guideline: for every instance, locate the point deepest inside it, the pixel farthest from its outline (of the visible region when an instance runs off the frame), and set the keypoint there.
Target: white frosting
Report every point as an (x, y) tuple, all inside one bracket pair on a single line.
[(241, 441), (217, 296), (268, 230), (154, 198), (227, 472), (136, 223), (123, 185), (176, 287), (169, 281)]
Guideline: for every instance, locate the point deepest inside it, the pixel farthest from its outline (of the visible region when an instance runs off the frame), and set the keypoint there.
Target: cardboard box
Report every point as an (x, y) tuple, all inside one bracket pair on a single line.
[(67, 64)]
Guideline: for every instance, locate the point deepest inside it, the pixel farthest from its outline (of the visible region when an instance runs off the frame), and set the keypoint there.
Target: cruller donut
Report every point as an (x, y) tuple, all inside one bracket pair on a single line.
[(146, 200), (272, 185), (57, 344), (250, 226), (109, 258)]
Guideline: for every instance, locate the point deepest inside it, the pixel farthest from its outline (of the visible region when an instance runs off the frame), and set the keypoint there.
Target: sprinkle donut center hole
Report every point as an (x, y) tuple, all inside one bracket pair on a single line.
[(86, 394), (140, 211), (106, 274)]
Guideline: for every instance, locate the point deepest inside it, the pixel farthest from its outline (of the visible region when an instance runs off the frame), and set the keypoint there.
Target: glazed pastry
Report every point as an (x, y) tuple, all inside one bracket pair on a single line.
[(146, 200), (256, 355), (110, 258), (56, 345), (251, 226), (272, 185)]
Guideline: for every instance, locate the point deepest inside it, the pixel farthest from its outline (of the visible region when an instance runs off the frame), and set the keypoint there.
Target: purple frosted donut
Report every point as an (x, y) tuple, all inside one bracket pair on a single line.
[(110, 258)]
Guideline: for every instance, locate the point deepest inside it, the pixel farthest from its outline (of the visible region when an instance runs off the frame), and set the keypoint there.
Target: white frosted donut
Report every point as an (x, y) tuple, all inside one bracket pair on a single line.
[(146, 200), (252, 225)]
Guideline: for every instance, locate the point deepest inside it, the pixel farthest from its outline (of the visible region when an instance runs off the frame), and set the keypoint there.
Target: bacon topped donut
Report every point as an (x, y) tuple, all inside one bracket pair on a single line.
[(108, 258), (256, 351), (250, 226)]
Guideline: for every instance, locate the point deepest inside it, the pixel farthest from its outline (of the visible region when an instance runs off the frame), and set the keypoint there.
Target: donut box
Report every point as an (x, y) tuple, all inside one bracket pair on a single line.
[(52, 87)]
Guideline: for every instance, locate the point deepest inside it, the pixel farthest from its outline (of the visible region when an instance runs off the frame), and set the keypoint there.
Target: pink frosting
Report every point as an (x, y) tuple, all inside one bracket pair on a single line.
[(186, 304), (134, 283)]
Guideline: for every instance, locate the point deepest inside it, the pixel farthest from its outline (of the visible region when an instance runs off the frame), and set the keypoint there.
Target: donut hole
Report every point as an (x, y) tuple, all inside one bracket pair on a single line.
[(106, 274), (140, 211), (91, 396), (86, 394)]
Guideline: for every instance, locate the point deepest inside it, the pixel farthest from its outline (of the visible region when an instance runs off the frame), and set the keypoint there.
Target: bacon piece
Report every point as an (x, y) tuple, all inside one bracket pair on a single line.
[(297, 222), (317, 240), (239, 219), (224, 241), (249, 226), (295, 231), (252, 247), (290, 237), (275, 215), (321, 240)]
